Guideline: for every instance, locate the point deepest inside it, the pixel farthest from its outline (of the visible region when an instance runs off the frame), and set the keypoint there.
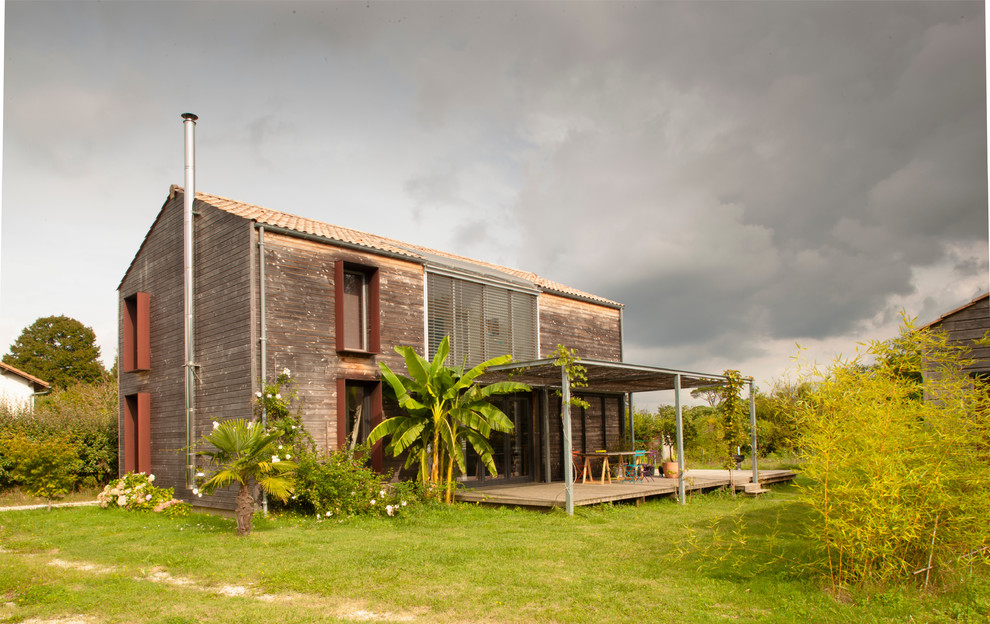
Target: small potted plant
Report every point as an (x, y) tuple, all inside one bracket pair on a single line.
[(669, 434)]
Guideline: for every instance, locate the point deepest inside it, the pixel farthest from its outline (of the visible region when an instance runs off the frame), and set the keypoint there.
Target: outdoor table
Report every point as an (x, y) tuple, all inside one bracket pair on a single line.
[(604, 455)]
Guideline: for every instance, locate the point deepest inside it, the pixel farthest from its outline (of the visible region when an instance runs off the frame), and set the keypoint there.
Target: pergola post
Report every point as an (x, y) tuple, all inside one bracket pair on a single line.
[(545, 410), (680, 440), (752, 429), (565, 414), (632, 421)]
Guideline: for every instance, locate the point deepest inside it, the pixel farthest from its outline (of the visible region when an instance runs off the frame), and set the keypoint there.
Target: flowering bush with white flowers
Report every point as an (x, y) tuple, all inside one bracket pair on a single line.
[(274, 401), (135, 491), (340, 484)]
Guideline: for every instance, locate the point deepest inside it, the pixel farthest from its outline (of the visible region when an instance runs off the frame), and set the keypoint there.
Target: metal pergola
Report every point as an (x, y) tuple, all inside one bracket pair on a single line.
[(616, 378)]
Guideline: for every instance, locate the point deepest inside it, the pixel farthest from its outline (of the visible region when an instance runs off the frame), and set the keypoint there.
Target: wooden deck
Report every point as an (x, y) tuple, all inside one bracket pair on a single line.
[(547, 495)]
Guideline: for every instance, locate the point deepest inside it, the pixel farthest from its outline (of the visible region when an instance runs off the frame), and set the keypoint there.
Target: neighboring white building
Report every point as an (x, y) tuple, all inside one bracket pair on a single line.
[(17, 388)]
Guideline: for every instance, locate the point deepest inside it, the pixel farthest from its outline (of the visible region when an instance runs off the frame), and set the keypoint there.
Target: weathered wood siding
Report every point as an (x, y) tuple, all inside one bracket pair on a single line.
[(590, 430), (223, 333), (594, 330), (301, 331), (967, 325)]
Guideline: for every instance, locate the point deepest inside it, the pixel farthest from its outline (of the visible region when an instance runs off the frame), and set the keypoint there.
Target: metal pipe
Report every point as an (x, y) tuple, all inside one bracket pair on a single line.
[(680, 440), (545, 410), (632, 421), (565, 415), (188, 197), (263, 340), (752, 428)]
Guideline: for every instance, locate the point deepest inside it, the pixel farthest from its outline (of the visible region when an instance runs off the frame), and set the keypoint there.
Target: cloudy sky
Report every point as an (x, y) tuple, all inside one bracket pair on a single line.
[(743, 176)]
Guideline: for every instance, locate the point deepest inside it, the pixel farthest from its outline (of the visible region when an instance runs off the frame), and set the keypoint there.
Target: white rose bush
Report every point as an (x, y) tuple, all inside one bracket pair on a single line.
[(135, 491)]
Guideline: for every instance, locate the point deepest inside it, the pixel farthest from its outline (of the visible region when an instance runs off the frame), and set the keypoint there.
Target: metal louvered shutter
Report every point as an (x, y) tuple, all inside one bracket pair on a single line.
[(482, 320)]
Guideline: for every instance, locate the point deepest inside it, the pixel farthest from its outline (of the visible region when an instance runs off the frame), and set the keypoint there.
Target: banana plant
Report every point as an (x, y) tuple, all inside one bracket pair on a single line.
[(443, 406)]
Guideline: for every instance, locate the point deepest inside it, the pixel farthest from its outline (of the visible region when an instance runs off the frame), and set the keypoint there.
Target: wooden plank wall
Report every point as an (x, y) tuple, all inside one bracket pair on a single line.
[(157, 270), (223, 332), (594, 330), (301, 332), (586, 429), (967, 325)]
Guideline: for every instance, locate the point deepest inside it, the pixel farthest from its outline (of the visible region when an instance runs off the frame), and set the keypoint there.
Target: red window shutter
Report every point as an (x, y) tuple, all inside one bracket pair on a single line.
[(341, 413), (130, 433), (374, 332), (338, 307), (137, 433), (144, 432), (376, 417), (142, 332), (137, 332), (356, 308)]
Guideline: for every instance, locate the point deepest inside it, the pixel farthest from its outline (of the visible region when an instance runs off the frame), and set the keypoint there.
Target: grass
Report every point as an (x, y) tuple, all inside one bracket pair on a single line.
[(16, 498), (437, 564)]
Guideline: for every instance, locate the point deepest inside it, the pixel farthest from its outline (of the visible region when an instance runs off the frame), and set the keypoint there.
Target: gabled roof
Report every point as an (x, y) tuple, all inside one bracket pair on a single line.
[(39, 385), (972, 303), (373, 242)]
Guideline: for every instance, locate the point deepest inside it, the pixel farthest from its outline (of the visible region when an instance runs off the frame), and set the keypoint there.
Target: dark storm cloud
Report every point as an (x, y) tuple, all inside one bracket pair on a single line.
[(785, 173), (740, 174)]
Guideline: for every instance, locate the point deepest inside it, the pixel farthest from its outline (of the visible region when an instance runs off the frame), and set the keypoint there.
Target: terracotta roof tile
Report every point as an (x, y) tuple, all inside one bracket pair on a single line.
[(16, 371), (371, 241)]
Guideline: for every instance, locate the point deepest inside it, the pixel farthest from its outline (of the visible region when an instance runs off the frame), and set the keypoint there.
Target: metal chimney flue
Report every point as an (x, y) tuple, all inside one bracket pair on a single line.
[(188, 197)]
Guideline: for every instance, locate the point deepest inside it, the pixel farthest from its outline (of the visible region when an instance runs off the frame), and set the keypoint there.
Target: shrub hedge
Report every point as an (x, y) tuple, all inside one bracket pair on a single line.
[(83, 416)]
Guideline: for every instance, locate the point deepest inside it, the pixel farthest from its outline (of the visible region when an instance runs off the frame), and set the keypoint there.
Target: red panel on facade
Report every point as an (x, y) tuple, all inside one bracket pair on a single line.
[(374, 331), (137, 332), (137, 433), (143, 331), (341, 413), (338, 313), (130, 433), (356, 308), (376, 417), (144, 432)]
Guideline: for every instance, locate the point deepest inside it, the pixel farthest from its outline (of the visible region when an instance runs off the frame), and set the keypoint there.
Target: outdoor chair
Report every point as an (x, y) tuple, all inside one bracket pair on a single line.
[(634, 469)]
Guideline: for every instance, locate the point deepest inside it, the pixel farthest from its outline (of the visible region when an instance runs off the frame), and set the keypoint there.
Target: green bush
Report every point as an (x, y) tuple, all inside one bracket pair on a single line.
[(340, 484), (85, 415), (45, 468), (900, 484)]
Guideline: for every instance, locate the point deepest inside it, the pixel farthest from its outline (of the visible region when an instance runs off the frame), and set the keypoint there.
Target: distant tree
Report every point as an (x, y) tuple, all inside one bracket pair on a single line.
[(59, 350), (709, 394)]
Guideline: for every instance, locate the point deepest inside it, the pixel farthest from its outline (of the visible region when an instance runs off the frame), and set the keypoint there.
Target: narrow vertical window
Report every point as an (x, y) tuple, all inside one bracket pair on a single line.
[(357, 308), (137, 433), (137, 332), (359, 409), (355, 311)]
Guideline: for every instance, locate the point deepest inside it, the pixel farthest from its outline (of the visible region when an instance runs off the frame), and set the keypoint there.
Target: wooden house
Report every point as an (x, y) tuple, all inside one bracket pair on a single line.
[(964, 326), (275, 291), (18, 389)]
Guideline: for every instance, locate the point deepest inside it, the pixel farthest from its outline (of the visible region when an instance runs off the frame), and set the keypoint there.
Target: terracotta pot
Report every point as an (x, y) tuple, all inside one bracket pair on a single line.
[(670, 469)]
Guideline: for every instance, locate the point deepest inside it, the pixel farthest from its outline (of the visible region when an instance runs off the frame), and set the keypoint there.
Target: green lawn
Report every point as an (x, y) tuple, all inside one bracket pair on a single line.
[(16, 498), (458, 564)]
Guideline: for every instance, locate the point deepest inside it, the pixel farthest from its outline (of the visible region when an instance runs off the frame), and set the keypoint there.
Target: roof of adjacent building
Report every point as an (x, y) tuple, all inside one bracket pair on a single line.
[(38, 383), (381, 244), (972, 303)]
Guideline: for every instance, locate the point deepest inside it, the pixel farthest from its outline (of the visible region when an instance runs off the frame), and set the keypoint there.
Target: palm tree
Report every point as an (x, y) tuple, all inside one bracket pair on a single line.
[(443, 406), (247, 454)]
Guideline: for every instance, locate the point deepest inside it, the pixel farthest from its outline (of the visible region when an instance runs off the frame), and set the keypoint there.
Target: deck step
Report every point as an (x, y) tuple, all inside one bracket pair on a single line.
[(754, 488)]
